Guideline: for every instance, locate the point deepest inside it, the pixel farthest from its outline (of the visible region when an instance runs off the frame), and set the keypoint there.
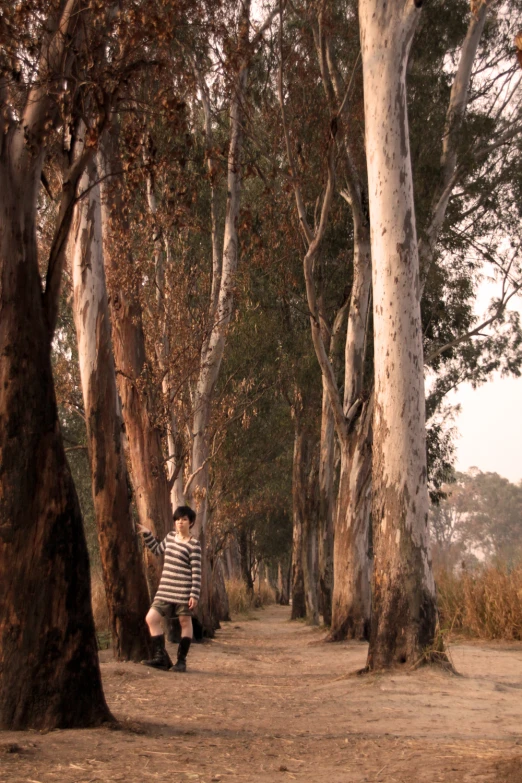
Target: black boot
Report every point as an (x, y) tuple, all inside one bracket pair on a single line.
[(160, 657), (181, 663)]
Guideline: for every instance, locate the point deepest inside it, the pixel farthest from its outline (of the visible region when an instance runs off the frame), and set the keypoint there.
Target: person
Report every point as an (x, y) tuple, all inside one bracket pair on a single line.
[(179, 587)]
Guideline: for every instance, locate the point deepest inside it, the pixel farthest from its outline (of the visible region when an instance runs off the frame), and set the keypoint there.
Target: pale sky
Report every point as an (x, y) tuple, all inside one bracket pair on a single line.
[(490, 427), (490, 422)]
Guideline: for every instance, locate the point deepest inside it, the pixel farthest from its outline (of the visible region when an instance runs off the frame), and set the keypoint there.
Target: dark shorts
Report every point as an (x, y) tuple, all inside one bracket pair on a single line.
[(169, 610)]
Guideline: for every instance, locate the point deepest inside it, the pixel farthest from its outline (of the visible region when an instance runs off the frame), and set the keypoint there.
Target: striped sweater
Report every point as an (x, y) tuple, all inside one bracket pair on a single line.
[(181, 575)]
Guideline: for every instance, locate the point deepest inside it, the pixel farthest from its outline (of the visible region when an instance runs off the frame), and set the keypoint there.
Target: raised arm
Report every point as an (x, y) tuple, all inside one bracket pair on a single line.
[(156, 546)]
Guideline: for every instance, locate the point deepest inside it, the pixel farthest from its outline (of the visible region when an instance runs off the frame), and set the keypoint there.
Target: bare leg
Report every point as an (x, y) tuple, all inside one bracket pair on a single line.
[(153, 620), (186, 626)]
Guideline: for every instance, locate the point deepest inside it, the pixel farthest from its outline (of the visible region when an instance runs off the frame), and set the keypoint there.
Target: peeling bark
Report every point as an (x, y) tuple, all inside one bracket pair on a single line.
[(147, 463), (49, 672), (124, 579), (352, 566), (403, 592), (352, 544)]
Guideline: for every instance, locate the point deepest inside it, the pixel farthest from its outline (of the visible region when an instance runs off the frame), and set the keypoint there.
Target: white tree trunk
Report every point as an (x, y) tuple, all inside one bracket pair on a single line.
[(403, 604)]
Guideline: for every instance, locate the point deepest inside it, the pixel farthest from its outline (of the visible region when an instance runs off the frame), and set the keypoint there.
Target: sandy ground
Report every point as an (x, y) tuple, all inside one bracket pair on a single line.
[(268, 701)]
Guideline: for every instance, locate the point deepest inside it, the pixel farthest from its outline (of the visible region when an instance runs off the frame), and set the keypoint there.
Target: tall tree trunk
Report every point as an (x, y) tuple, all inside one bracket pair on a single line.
[(222, 299), (282, 597), (403, 602), (352, 562), (147, 463), (49, 673), (325, 532), (297, 591), (352, 567), (300, 472), (219, 591), (345, 411), (163, 350), (246, 571), (124, 579), (310, 533)]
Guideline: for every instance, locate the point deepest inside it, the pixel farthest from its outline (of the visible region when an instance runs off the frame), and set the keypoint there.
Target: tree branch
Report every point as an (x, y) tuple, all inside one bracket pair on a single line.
[(476, 332), (301, 211)]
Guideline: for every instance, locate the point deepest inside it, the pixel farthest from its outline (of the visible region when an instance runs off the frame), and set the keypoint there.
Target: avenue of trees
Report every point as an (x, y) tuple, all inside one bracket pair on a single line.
[(237, 242)]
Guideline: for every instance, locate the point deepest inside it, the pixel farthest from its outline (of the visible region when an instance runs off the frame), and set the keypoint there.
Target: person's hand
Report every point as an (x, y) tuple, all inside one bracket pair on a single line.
[(142, 529), (192, 604)]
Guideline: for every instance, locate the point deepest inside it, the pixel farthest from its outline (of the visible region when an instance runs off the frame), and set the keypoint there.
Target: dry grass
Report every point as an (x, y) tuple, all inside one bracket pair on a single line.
[(485, 603), (242, 602)]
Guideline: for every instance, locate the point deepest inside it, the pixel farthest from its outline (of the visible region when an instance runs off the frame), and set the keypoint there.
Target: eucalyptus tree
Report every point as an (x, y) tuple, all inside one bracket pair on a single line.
[(404, 611), (49, 667), (224, 263), (403, 608), (349, 410), (124, 578), (452, 180)]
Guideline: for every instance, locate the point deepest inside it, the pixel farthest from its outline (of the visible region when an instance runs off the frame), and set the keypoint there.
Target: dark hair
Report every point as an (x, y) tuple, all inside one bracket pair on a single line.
[(185, 511)]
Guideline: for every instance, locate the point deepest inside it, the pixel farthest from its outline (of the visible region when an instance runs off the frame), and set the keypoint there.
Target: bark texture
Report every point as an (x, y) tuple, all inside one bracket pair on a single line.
[(305, 513), (403, 597), (49, 673), (325, 523), (123, 575), (147, 463), (352, 546)]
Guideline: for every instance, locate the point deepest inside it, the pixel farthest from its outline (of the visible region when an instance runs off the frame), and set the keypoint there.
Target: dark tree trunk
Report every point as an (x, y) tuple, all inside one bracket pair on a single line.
[(219, 592), (299, 510), (123, 575), (282, 593), (310, 530), (244, 551), (49, 673), (207, 615), (325, 531)]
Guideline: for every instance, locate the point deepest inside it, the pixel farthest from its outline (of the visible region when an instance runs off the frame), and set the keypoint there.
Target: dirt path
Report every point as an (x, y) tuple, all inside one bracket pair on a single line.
[(267, 701)]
